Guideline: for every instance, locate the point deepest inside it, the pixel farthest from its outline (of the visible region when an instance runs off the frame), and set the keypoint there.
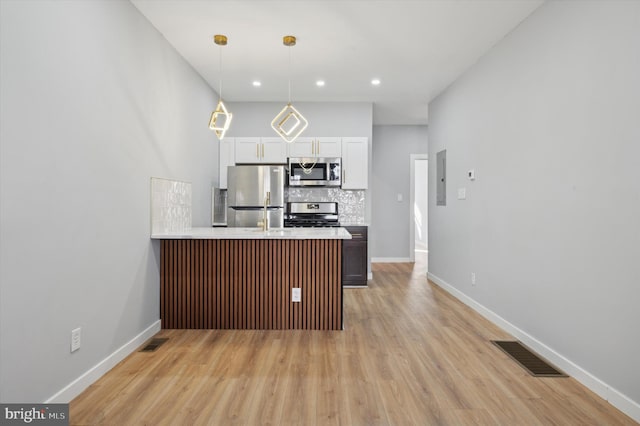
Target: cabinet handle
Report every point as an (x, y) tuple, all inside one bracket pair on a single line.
[(263, 150), (257, 150), (313, 147), (356, 235), (344, 176), (318, 147)]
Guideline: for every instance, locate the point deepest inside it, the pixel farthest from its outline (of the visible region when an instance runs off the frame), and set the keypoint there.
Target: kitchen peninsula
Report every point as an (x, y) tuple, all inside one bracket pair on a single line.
[(244, 278)]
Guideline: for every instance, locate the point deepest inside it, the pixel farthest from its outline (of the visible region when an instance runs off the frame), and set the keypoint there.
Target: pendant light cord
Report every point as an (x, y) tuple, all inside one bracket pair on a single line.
[(290, 74), (220, 71), (307, 168)]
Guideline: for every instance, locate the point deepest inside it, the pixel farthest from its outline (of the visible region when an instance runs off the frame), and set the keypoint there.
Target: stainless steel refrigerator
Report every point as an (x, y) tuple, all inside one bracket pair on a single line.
[(247, 188)]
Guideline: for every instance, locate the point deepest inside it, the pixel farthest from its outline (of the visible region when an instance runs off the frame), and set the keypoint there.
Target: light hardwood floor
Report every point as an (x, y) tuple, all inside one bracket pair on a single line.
[(410, 354)]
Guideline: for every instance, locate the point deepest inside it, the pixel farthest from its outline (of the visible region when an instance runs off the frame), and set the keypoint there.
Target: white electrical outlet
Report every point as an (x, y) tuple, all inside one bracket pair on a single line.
[(75, 339), (473, 278), (296, 294)]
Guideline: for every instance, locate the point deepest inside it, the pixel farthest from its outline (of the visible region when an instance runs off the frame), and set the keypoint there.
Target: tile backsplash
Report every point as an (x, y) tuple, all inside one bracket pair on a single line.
[(170, 206), (351, 204)]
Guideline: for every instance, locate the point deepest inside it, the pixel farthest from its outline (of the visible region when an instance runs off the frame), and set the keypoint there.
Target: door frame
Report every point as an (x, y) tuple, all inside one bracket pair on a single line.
[(412, 196)]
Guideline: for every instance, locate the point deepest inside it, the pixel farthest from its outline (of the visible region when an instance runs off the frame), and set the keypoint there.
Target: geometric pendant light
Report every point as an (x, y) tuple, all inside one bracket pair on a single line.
[(220, 118), (289, 123)]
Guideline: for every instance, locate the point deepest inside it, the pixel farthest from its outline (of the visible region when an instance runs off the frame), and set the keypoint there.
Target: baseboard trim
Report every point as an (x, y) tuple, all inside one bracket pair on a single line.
[(76, 387), (390, 260), (606, 392)]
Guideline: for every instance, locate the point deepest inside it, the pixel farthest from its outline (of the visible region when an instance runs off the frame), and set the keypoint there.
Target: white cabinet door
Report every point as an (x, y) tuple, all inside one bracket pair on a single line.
[(227, 157), (316, 147), (273, 151), (261, 151), (248, 151), (328, 147), (302, 147), (355, 163)]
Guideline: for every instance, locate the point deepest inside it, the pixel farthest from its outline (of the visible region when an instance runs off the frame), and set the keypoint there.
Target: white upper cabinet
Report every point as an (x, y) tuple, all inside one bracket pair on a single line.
[(274, 151), (316, 147), (248, 150), (260, 151), (301, 147), (328, 147), (227, 158), (355, 163)]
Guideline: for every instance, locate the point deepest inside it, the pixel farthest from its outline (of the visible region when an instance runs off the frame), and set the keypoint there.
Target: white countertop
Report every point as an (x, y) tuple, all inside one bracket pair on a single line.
[(257, 234), (354, 223)]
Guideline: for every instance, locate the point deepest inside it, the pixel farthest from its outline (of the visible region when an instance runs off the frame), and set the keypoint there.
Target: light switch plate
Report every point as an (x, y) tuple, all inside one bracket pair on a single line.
[(462, 193), (471, 174), (75, 339)]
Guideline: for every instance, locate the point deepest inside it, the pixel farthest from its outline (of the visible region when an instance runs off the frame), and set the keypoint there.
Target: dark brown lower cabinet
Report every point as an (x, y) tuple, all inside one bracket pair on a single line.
[(354, 257)]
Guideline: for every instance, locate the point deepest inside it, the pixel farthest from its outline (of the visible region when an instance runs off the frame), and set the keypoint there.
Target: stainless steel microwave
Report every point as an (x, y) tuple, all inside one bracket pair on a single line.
[(308, 171)]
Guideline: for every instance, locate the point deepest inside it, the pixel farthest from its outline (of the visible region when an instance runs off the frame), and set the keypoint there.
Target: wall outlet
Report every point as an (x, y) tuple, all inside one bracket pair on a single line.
[(473, 278), (296, 294), (75, 339)]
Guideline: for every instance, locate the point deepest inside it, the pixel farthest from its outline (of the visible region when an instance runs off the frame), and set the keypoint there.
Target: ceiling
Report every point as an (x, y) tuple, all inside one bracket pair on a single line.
[(415, 47)]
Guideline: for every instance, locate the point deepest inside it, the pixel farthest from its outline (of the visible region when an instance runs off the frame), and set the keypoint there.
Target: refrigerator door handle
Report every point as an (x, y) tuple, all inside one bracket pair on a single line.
[(245, 207), (255, 207)]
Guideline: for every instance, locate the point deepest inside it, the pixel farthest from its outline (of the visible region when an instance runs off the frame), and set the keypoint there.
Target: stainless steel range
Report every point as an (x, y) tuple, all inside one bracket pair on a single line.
[(311, 214)]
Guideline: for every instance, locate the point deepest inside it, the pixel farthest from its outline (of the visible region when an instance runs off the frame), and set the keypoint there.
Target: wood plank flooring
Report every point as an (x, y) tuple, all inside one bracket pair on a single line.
[(410, 354)]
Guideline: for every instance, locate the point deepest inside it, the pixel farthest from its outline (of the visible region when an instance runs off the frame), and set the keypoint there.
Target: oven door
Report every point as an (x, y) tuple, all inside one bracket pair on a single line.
[(314, 172)]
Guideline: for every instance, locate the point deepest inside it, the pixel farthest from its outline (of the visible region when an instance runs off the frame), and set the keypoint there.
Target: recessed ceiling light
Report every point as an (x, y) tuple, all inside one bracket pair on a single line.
[(256, 83), (320, 83), (375, 82)]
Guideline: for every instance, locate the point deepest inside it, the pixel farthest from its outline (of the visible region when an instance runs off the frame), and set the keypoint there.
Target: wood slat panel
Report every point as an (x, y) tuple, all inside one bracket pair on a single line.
[(247, 284)]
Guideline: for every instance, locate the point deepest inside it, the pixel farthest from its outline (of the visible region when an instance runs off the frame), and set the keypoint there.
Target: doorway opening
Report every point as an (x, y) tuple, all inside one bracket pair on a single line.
[(418, 210)]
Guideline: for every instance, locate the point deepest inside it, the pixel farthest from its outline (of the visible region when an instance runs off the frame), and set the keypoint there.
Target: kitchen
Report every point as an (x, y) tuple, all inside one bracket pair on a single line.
[(95, 101), (305, 292)]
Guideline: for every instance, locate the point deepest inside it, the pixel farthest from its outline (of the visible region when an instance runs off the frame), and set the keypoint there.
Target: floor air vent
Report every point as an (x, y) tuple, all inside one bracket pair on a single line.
[(154, 344), (531, 362)]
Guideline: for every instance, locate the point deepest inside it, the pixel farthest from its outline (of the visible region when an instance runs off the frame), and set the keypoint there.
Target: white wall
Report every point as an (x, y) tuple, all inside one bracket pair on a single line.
[(390, 227), (325, 118), (549, 120), (94, 103)]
